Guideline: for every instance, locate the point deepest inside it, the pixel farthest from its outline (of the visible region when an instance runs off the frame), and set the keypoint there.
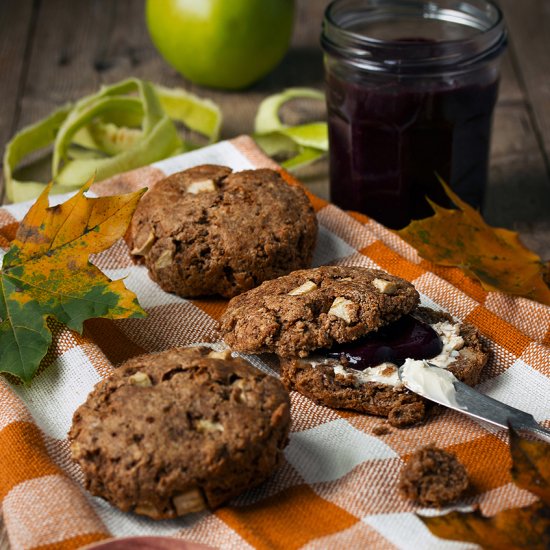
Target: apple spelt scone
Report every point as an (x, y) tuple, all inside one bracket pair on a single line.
[(180, 431), (207, 230), (341, 332)]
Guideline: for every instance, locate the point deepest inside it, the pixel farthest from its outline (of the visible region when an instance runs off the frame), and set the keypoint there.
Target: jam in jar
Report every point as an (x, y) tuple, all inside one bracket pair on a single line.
[(411, 86)]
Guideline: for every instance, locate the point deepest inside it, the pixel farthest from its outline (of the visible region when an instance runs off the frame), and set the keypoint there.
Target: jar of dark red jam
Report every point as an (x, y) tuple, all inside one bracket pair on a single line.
[(411, 86)]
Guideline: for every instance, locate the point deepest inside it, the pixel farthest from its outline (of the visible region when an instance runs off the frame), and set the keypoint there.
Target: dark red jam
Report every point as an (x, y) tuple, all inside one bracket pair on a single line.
[(389, 141), (406, 338)]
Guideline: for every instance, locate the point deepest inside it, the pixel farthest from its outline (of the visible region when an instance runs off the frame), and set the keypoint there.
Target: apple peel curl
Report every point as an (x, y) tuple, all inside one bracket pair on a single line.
[(123, 126), (305, 142)]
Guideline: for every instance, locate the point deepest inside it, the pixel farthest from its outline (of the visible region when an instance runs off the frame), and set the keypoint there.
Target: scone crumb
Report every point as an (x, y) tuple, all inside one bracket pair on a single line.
[(201, 187), (140, 379), (433, 477), (381, 429), (306, 288), (385, 287), (340, 308), (408, 410)]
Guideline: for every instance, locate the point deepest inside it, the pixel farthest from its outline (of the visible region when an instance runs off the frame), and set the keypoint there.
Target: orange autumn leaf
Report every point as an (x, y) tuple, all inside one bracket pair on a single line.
[(46, 273), (514, 528), (531, 465), (496, 257)]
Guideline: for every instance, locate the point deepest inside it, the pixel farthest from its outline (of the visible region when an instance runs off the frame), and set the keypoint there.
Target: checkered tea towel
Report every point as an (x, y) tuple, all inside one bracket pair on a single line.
[(338, 485)]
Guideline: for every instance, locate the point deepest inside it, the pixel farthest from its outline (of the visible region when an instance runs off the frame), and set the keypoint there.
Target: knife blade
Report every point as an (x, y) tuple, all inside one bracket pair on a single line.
[(441, 386)]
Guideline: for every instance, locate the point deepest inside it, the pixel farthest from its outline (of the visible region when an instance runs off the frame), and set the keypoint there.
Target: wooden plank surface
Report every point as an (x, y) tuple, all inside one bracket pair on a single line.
[(16, 31), (62, 54), (519, 195), (53, 51), (529, 25)]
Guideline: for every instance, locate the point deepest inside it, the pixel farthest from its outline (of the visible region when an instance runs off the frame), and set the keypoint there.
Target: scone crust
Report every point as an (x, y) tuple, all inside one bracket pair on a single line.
[(249, 227), (270, 318), (206, 428), (401, 406)]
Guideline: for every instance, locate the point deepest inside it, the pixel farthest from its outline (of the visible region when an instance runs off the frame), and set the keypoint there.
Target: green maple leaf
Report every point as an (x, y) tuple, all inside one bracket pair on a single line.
[(47, 273)]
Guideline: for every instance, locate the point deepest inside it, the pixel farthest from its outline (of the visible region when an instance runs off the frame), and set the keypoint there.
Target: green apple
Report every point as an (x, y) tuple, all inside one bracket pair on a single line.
[(221, 43)]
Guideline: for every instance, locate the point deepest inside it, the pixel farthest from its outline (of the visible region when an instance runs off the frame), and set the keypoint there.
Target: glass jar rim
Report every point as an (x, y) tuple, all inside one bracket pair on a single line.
[(400, 55)]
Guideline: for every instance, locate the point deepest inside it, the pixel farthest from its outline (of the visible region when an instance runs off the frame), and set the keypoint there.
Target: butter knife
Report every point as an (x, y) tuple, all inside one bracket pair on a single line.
[(441, 386)]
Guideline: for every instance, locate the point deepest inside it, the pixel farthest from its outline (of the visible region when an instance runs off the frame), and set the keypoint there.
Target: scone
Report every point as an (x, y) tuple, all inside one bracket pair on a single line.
[(180, 431), (314, 308), (341, 332), (208, 231)]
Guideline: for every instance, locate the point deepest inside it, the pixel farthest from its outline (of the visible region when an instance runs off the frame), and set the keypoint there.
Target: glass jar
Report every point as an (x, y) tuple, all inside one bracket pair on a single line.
[(411, 86)]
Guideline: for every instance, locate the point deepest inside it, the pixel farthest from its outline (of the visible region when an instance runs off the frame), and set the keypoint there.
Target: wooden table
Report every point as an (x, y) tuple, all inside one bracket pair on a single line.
[(58, 50)]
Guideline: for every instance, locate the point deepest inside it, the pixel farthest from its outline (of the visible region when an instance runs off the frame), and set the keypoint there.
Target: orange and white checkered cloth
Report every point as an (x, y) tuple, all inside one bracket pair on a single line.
[(338, 485)]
